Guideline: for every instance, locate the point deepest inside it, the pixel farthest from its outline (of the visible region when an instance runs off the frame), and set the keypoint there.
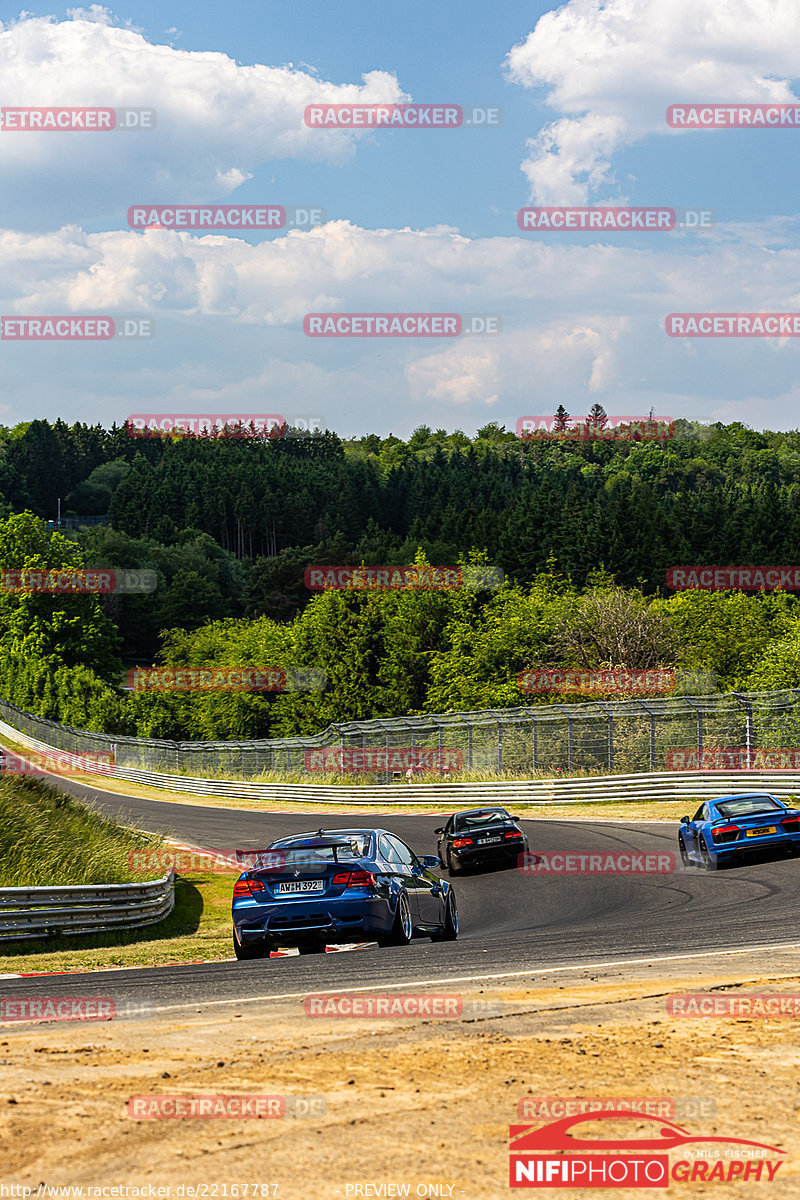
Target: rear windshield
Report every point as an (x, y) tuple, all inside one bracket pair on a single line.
[(747, 806), (487, 816), (292, 855)]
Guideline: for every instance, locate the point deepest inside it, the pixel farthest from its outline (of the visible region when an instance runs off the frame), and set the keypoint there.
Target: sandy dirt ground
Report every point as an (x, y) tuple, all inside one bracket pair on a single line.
[(423, 1104)]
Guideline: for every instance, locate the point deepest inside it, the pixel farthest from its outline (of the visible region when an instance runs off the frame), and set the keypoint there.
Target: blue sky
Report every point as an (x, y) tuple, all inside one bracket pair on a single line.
[(418, 220)]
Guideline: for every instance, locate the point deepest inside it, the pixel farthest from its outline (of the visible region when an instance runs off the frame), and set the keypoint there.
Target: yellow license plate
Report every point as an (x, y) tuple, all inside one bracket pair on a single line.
[(761, 831)]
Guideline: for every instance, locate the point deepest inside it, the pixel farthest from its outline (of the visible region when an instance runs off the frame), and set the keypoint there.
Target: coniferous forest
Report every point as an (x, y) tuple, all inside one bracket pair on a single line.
[(229, 526)]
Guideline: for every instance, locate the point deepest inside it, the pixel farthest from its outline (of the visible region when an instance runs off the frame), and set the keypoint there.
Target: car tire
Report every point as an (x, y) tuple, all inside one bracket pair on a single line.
[(402, 926), (684, 853), (452, 868), (247, 950), (449, 931), (311, 948), (709, 863)]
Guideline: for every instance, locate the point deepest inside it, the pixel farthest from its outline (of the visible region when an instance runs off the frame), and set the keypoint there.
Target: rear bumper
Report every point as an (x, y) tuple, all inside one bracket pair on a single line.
[(473, 855), (743, 846), (301, 921)]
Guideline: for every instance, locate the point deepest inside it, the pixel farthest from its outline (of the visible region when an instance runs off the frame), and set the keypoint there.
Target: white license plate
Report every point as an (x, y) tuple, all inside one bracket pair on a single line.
[(302, 885), (761, 831), (485, 841)]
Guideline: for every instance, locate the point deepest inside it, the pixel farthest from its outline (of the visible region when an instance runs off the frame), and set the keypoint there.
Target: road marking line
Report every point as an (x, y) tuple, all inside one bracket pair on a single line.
[(555, 970)]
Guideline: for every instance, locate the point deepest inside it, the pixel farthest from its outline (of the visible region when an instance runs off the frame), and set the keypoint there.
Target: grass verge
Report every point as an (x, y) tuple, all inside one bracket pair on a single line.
[(49, 838), (198, 929), (600, 810)]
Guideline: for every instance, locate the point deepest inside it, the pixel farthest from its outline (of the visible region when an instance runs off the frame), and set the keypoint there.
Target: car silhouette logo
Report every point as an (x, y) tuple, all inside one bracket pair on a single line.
[(554, 1136)]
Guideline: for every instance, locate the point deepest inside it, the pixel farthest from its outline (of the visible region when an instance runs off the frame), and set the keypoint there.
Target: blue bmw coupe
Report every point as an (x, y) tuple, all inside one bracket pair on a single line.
[(731, 827), (340, 885)]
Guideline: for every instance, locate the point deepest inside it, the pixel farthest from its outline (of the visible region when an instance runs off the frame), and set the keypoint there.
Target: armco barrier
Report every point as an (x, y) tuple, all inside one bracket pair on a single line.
[(33, 912), (663, 786), (596, 738)]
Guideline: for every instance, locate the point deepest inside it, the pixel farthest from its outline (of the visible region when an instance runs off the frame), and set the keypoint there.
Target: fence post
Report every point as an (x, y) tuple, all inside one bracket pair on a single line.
[(535, 744), (499, 746)]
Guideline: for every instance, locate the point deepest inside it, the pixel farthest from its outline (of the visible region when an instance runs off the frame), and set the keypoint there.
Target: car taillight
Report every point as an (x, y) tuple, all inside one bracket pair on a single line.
[(247, 887), (515, 834), (355, 879), (459, 842), (726, 833), (791, 823)]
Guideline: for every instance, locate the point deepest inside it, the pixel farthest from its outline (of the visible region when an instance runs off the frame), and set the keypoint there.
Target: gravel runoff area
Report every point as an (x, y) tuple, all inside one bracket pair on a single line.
[(377, 1105)]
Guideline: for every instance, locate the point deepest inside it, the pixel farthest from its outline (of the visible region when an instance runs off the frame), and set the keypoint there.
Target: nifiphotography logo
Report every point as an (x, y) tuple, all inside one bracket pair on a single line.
[(592, 1161)]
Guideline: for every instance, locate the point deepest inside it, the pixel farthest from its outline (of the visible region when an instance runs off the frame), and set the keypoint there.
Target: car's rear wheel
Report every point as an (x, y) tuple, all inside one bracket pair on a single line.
[(709, 863), (402, 927), (245, 950), (312, 948), (452, 866), (683, 852), (449, 931)]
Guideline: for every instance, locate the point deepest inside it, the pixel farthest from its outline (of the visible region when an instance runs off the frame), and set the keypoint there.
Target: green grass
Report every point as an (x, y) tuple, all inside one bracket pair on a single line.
[(48, 838), (197, 930)]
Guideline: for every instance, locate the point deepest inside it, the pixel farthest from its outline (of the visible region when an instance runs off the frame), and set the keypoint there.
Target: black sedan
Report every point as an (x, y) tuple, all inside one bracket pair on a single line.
[(339, 886), (480, 835)]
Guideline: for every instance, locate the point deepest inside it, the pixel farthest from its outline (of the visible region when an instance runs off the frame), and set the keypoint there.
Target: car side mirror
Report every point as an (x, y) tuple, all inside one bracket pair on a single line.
[(430, 861), (516, 818), (439, 830), (685, 820)]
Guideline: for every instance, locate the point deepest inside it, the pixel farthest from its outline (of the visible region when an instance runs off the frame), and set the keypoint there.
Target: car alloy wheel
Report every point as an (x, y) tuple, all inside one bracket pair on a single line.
[(709, 863), (452, 866), (449, 931), (247, 950)]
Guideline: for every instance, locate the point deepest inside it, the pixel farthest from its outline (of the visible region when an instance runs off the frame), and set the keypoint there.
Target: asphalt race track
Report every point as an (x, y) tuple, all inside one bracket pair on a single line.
[(510, 922)]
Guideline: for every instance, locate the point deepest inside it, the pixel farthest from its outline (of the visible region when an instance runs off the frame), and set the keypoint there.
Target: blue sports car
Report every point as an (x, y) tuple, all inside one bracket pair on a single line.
[(340, 885), (730, 827)]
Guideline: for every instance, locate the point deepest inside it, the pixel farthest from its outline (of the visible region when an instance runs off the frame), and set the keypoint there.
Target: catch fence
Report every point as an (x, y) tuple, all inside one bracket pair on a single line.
[(597, 738)]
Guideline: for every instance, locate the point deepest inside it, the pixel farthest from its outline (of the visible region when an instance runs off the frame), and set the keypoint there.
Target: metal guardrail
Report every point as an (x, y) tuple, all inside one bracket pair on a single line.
[(48, 911), (614, 736), (599, 789)]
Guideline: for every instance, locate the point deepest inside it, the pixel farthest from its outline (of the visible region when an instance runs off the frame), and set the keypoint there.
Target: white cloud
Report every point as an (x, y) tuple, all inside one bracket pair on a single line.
[(217, 120), (580, 323), (613, 66)]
